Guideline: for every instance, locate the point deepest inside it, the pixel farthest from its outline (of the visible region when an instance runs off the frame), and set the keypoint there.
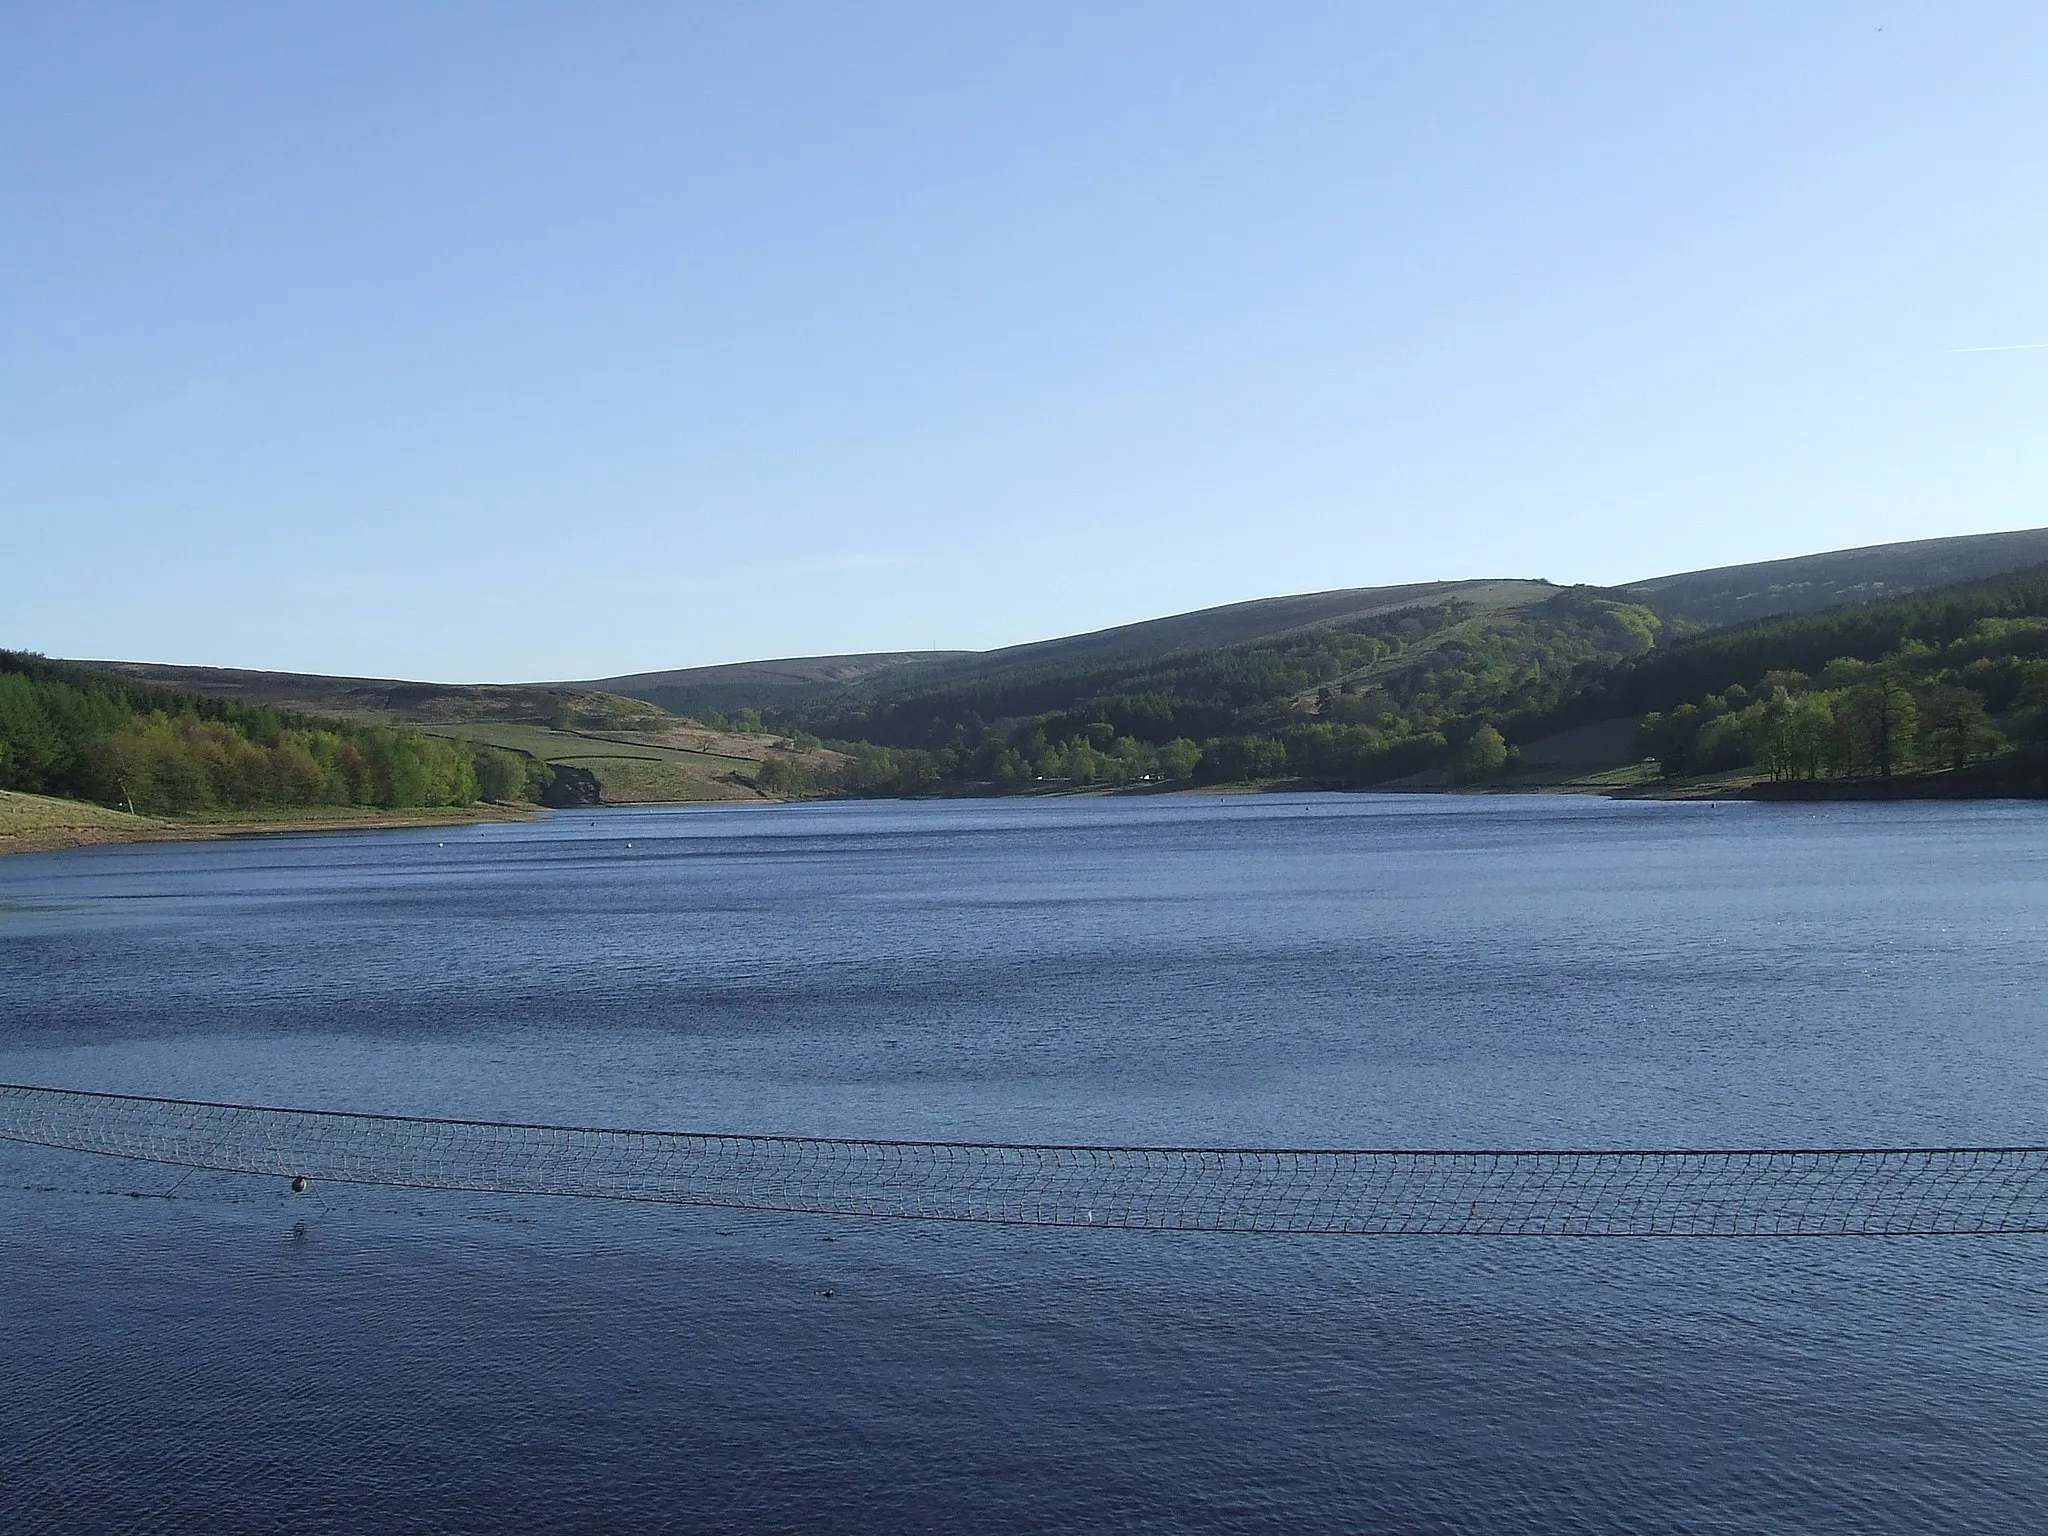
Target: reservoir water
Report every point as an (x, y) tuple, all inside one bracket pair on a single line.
[(202, 1351)]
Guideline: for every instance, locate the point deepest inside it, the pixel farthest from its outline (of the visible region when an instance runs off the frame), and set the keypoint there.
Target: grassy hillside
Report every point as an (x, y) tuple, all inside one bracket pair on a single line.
[(39, 823), (1573, 685), (1029, 678), (626, 773), (1393, 685), (1736, 594), (567, 705), (1452, 682), (1235, 624), (86, 734), (680, 763), (791, 686), (1210, 665), (560, 745), (42, 821), (737, 686)]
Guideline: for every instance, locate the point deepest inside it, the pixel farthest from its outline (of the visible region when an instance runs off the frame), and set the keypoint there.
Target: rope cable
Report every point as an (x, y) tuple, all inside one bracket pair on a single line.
[(1543, 1192)]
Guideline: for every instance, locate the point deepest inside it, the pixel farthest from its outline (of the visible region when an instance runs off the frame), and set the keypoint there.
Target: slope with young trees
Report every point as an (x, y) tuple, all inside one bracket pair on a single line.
[(1934, 682), (1408, 689), (81, 733)]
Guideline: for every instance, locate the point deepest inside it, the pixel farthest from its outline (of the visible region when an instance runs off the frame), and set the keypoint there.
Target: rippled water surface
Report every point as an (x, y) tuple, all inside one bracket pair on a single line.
[(198, 1351)]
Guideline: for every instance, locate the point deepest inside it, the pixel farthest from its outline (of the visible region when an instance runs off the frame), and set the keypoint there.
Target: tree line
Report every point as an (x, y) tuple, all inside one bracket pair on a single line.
[(1965, 621), (1916, 709), (85, 734)]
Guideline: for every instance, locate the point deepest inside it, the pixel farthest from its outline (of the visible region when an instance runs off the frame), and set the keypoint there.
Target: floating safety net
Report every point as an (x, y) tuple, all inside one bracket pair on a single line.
[(1812, 1192)]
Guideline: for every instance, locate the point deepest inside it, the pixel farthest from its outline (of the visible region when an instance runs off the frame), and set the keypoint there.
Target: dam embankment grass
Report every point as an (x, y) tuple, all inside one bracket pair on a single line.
[(42, 823)]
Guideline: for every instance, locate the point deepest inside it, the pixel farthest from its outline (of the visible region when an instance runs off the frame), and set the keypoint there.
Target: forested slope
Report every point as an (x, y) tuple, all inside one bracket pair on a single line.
[(1939, 680), (84, 733), (1405, 688)]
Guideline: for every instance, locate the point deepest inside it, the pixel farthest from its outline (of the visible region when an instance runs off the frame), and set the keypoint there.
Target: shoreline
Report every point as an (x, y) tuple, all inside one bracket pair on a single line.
[(43, 824)]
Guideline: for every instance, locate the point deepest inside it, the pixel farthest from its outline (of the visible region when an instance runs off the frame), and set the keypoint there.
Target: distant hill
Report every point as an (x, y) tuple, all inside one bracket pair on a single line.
[(1264, 618), (1348, 686), (567, 705), (1735, 594), (1357, 686), (799, 684), (793, 681), (739, 684), (1949, 680), (1267, 649), (1696, 599)]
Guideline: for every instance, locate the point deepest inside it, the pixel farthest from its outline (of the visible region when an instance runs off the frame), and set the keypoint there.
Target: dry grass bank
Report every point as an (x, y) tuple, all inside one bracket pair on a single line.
[(39, 824)]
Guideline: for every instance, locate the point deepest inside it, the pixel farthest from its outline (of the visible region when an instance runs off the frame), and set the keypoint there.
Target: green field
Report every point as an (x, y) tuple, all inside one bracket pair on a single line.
[(631, 773), (552, 746), (638, 781)]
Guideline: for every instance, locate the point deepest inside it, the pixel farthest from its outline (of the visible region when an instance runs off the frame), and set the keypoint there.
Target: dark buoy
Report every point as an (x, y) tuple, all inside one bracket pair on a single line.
[(299, 1184)]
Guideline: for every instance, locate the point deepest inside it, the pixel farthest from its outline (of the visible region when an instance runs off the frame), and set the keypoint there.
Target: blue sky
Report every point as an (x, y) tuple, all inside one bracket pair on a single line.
[(500, 342)]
